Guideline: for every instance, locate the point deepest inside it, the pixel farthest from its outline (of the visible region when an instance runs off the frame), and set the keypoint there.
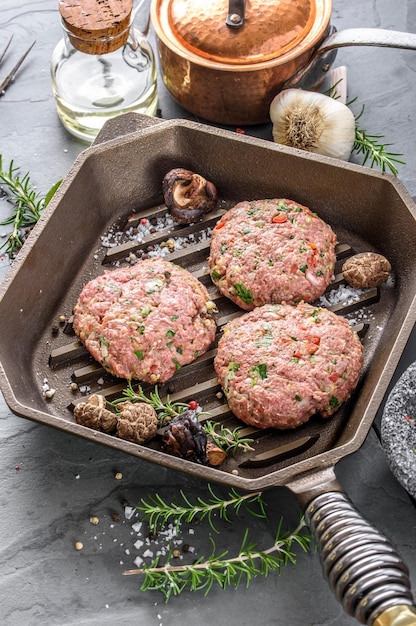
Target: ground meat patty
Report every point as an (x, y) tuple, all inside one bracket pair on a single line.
[(280, 364), (271, 251), (145, 321)]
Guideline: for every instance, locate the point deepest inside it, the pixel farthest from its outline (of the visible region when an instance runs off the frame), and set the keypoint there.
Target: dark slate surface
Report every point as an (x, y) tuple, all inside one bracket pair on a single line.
[(52, 482)]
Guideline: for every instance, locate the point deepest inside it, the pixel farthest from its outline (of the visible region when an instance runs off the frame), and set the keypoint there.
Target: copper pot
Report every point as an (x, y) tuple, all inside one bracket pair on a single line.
[(225, 60)]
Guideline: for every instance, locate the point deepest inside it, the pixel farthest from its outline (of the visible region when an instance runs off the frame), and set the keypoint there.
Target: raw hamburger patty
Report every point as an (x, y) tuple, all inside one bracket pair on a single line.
[(280, 364), (269, 251), (145, 321)]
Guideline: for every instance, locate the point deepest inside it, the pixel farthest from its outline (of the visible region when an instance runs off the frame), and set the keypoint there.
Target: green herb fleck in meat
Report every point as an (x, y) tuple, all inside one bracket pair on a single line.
[(319, 273), (145, 312), (179, 350), (303, 268), (223, 247), (242, 292), (140, 329), (176, 364), (170, 333), (233, 367), (333, 403), (298, 398), (245, 231), (104, 342), (139, 354), (215, 275), (295, 360), (259, 370), (174, 317)]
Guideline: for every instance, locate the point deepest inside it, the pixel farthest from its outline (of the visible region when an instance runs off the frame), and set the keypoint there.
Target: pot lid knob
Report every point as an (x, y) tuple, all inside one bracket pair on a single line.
[(96, 27), (236, 13), (242, 31)]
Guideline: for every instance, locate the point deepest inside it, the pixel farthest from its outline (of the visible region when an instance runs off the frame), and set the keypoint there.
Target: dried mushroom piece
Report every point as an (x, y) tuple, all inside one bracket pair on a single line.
[(94, 414), (215, 455), (365, 270), (137, 422), (184, 437), (187, 195)]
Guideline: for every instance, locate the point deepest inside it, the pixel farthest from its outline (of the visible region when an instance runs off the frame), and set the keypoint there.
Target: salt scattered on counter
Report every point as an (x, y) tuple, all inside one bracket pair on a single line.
[(128, 512)]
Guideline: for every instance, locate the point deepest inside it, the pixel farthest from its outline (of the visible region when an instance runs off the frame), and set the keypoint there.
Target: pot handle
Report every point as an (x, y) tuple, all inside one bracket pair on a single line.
[(313, 73), (362, 567), (368, 37)]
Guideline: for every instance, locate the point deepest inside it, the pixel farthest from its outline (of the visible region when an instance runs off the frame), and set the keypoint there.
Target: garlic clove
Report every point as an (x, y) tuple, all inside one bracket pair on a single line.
[(314, 122)]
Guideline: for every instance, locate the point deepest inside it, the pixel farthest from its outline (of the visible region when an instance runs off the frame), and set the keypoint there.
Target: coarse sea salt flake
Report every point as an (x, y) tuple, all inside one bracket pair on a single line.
[(148, 553), (138, 544), (128, 512), (137, 527)]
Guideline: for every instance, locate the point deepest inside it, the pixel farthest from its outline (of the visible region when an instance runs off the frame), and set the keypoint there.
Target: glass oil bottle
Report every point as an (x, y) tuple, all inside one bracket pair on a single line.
[(104, 66)]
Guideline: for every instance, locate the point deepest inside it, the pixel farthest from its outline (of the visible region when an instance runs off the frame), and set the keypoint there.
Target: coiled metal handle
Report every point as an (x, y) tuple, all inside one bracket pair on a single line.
[(363, 569)]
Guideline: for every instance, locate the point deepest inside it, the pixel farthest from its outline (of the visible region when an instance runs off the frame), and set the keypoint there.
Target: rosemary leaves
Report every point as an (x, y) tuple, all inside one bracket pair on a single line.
[(27, 206), (219, 567)]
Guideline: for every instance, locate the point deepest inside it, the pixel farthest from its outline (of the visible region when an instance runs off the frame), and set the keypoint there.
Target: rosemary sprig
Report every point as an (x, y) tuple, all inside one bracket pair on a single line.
[(27, 205), (157, 512), (374, 150), (370, 146), (228, 439), (166, 410), (224, 570), (225, 438)]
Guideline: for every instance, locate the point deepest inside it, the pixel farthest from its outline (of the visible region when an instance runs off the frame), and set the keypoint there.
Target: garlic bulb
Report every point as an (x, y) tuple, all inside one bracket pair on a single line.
[(312, 121)]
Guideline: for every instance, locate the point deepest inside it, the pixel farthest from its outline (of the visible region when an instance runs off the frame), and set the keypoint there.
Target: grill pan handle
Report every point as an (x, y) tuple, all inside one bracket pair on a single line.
[(363, 569)]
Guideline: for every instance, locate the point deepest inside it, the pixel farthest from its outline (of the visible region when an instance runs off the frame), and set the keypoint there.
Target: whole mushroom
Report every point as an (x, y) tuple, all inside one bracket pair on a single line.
[(366, 269), (137, 422), (94, 414), (187, 195)]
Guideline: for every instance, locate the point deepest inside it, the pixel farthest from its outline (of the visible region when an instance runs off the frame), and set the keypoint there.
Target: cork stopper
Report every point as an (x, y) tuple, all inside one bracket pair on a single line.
[(96, 26)]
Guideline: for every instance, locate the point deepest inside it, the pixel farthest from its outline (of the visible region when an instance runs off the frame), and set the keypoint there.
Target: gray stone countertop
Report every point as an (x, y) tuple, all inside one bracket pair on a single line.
[(53, 482)]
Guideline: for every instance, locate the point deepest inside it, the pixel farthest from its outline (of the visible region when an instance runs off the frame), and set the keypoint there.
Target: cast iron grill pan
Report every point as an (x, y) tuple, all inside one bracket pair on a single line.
[(118, 181), (198, 381)]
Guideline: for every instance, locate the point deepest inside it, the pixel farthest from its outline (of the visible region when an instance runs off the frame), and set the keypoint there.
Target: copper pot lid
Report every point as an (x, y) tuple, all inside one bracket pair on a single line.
[(237, 32)]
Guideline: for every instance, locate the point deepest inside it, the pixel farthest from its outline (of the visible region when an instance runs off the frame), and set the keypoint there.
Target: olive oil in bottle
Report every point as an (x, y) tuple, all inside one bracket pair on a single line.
[(102, 67)]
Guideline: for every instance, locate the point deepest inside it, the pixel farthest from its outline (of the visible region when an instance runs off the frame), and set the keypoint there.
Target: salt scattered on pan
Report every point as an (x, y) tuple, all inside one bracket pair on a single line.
[(146, 228), (342, 294)]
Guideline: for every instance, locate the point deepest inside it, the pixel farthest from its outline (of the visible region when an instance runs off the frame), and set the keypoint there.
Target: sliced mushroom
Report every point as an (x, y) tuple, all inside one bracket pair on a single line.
[(187, 195)]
